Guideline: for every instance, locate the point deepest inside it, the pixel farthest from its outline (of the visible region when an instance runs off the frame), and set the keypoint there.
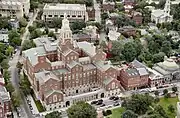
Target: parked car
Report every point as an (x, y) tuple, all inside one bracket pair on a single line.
[(112, 97), (102, 105), (116, 98), (99, 102), (116, 104), (94, 102)]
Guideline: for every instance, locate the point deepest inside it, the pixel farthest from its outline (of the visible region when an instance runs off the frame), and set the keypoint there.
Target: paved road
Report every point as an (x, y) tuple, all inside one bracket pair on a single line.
[(26, 113), (97, 11)]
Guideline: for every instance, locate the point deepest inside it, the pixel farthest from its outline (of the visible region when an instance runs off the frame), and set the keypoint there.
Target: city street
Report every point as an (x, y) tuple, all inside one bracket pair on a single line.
[(25, 111)]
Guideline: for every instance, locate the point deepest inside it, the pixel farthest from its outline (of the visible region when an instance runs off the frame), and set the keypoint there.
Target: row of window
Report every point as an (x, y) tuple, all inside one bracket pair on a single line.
[(62, 16)]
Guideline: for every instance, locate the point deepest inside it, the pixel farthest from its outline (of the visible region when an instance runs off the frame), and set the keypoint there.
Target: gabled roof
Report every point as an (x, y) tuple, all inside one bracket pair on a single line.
[(33, 53), (103, 65), (47, 94), (44, 76), (68, 52), (108, 80), (73, 63)]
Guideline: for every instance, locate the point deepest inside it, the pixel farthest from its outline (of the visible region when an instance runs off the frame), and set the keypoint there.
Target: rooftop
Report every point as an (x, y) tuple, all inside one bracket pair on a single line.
[(64, 7)]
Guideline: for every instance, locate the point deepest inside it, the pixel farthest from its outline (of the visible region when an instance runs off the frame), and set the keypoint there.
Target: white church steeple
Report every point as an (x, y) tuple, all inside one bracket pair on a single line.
[(167, 7), (66, 32)]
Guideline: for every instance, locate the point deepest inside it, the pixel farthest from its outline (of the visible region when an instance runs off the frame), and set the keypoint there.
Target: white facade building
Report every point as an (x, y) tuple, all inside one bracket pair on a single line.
[(178, 110), (14, 8), (4, 35), (73, 11), (160, 16)]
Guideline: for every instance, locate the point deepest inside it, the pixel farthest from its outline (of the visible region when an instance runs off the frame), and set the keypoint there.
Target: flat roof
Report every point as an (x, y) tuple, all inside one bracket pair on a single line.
[(76, 7)]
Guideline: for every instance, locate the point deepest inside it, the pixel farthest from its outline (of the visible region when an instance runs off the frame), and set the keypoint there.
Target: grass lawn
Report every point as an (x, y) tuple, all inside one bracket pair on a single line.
[(116, 113), (165, 102), (39, 106)]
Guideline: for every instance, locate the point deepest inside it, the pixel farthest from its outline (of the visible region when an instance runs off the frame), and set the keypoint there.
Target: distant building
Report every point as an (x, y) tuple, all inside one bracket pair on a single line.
[(127, 31), (137, 17), (82, 37), (160, 16), (14, 23), (5, 100), (64, 71), (73, 12), (178, 110), (129, 2), (169, 69), (14, 8), (4, 35), (91, 13), (134, 76), (108, 5), (155, 78)]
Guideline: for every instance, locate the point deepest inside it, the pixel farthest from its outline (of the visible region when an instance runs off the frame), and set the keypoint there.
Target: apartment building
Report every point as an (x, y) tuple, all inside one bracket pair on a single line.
[(5, 100), (73, 11), (134, 76), (64, 71), (14, 8)]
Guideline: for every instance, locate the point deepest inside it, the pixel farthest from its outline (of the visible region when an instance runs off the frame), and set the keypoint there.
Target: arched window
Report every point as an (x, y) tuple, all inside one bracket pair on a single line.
[(113, 85), (54, 98)]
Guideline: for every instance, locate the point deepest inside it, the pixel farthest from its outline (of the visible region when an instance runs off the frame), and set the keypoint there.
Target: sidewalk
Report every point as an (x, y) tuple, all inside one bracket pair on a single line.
[(35, 110), (15, 114)]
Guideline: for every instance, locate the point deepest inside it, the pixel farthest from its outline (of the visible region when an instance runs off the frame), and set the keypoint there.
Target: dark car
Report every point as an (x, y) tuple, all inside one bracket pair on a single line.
[(94, 102), (116, 104), (102, 105), (116, 98), (112, 97), (99, 102)]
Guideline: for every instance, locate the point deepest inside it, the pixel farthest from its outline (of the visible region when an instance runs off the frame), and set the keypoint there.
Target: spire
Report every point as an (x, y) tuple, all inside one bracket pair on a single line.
[(65, 23), (167, 7)]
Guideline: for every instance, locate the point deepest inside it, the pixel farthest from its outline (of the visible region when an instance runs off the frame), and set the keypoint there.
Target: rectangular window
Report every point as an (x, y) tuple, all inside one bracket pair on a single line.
[(49, 15)]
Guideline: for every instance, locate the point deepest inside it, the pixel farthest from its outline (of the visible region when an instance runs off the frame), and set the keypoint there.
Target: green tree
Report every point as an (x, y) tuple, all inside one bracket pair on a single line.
[(54, 114), (16, 99), (156, 93), (9, 50), (174, 89), (166, 48), (104, 16), (35, 34), (6, 75), (171, 108), (22, 22), (31, 28), (33, 5), (4, 64), (75, 111), (57, 22), (117, 47), (139, 103), (27, 44), (159, 57), (51, 34), (14, 38), (165, 91), (129, 51), (159, 110), (78, 25), (129, 114), (10, 87), (25, 84)]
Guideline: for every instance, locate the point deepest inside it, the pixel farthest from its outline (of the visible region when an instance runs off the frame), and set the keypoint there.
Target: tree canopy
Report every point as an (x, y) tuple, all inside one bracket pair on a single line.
[(75, 111), (54, 114)]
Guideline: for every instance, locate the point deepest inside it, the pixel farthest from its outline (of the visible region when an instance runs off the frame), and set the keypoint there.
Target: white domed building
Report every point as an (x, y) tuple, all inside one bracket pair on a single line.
[(168, 68)]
